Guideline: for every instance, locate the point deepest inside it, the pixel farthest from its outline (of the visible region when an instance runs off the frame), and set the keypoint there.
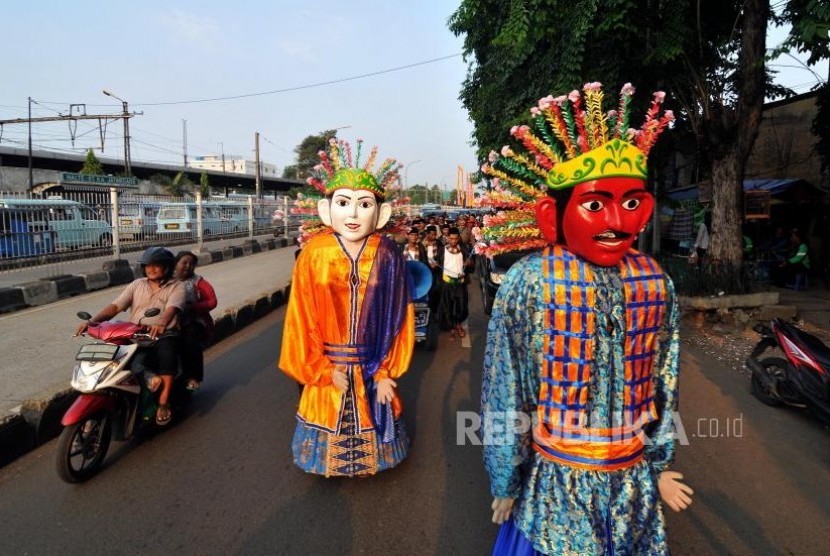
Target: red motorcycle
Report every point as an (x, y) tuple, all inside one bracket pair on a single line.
[(799, 379), (114, 399)]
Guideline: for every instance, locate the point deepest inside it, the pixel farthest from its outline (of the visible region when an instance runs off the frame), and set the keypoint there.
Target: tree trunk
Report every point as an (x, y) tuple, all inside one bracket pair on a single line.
[(729, 165), (725, 246)]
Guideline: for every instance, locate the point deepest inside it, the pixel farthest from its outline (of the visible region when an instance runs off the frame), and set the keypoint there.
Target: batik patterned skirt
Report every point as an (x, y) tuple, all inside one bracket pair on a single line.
[(350, 453), (569, 511)]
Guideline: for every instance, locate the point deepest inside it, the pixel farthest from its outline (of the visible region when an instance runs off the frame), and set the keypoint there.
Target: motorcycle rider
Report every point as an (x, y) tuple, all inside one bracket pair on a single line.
[(159, 290)]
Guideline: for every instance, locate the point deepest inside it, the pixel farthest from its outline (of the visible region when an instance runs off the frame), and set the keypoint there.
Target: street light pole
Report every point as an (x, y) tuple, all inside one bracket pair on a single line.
[(125, 114)]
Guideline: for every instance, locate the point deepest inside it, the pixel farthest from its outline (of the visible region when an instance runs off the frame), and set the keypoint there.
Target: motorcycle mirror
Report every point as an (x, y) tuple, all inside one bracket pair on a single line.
[(152, 312), (83, 315)]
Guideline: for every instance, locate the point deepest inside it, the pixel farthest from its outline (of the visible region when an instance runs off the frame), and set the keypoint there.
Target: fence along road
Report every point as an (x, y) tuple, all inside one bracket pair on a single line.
[(52, 233), (37, 344)]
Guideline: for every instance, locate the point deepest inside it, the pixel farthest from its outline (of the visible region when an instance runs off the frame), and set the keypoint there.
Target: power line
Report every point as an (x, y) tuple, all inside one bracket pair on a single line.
[(287, 90)]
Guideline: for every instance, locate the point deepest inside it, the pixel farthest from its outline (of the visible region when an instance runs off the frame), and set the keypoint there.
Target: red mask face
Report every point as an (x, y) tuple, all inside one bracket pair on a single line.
[(603, 217)]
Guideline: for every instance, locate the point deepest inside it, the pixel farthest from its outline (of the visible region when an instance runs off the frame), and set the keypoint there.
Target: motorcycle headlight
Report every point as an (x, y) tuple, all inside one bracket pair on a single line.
[(86, 377)]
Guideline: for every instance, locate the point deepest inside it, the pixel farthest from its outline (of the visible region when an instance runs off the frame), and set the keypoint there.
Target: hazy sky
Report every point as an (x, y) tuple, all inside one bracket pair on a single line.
[(62, 52), (150, 51)]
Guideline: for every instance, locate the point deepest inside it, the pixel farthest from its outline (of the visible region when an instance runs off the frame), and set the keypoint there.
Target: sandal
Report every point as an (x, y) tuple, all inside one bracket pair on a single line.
[(163, 415), (193, 384)]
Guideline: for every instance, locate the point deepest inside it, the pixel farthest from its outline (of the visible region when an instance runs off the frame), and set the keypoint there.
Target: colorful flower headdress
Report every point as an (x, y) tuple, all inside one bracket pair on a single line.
[(572, 141), (337, 170)]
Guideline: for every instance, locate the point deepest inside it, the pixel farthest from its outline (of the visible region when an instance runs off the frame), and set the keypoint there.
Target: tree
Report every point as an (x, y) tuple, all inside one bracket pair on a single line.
[(417, 194), (180, 185), (736, 128), (307, 150), (523, 50), (290, 172), (809, 33), (204, 185), (92, 165), (709, 56)]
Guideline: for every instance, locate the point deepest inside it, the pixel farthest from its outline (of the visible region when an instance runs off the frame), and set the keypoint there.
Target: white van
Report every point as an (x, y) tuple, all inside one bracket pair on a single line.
[(180, 219), (75, 225), (137, 219)]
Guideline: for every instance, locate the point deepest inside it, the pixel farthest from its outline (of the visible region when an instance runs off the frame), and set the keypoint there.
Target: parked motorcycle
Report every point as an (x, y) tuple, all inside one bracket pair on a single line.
[(800, 378), (114, 400)]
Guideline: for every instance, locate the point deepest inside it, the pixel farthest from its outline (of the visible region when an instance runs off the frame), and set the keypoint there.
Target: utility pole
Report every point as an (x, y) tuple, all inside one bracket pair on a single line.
[(74, 118), (125, 114), (184, 141), (222, 146), (258, 172), (31, 175)]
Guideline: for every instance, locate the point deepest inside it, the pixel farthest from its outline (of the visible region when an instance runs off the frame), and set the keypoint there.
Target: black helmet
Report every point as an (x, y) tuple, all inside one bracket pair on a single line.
[(160, 256)]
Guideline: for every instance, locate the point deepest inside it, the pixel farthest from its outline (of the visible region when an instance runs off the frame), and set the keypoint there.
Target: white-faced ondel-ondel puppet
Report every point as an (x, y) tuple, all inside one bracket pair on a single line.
[(349, 326), (580, 370)]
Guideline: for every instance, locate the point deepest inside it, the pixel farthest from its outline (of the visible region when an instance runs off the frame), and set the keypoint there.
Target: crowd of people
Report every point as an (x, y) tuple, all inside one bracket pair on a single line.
[(446, 247)]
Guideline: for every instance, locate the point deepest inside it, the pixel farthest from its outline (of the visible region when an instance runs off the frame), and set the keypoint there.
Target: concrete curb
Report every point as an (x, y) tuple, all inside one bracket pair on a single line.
[(16, 438), (11, 299), (39, 293), (96, 280), (68, 285), (114, 272), (40, 420)]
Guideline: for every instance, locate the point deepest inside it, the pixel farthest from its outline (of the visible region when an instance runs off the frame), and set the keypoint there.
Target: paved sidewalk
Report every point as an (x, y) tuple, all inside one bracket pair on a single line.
[(39, 350), (812, 304)]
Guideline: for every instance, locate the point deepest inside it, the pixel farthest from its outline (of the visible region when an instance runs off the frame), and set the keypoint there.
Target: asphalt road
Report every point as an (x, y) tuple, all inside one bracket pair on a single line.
[(222, 482)]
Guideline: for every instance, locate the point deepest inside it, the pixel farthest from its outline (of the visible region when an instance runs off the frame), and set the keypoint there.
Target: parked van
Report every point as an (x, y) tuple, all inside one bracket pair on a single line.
[(75, 225), (180, 219), (137, 219), (24, 234), (234, 217)]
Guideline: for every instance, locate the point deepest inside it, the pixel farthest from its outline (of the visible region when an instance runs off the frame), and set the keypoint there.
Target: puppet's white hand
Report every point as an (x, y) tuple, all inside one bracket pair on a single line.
[(501, 509), (340, 379), (676, 494), (386, 390)]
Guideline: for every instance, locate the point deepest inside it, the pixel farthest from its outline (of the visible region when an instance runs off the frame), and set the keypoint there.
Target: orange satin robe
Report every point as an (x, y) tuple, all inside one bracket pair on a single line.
[(323, 308)]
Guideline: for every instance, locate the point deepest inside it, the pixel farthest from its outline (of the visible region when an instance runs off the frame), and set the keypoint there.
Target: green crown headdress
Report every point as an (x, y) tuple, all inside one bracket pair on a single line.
[(337, 170), (572, 141)]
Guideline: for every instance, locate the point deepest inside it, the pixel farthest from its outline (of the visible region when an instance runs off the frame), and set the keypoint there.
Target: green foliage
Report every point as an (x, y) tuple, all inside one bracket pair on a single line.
[(810, 28), (305, 190), (306, 152), (523, 50), (180, 185), (290, 172), (204, 185), (92, 165)]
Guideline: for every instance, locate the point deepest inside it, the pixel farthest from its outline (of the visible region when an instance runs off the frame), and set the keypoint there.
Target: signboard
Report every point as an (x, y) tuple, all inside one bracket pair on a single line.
[(96, 179), (756, 205)]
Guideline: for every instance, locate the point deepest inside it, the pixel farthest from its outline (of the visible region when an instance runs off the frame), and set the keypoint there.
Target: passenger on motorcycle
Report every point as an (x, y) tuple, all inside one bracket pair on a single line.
[(196, 323), (159, 290)]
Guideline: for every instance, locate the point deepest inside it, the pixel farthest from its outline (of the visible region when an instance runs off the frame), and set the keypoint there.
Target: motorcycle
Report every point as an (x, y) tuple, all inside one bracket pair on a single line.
[(114, 400), (426, 322), (800, 378)]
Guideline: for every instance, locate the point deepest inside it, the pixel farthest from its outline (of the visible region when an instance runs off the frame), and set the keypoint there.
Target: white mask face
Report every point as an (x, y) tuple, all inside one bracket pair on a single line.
[(354, 214)]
